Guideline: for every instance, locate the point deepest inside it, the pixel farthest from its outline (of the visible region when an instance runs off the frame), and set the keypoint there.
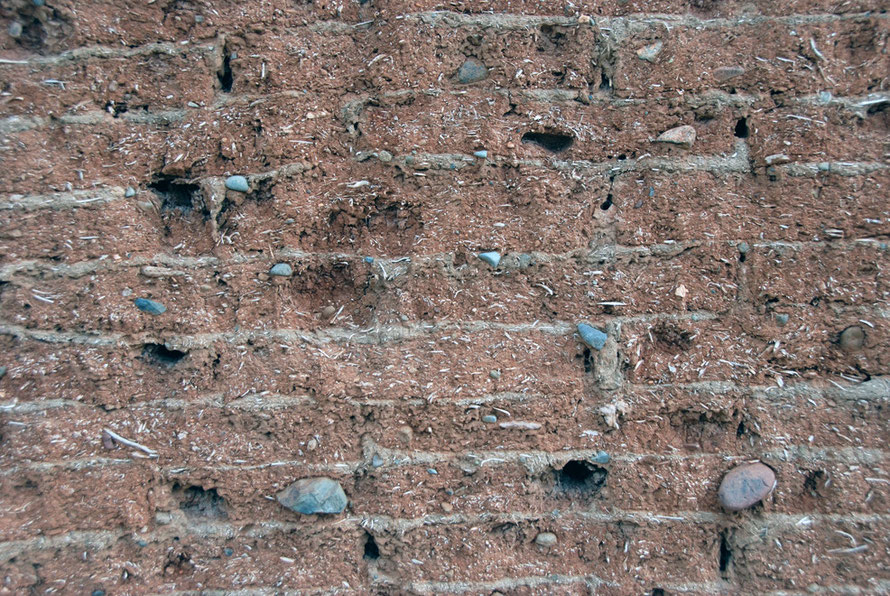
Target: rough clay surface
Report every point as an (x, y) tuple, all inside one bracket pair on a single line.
[(741, 282)]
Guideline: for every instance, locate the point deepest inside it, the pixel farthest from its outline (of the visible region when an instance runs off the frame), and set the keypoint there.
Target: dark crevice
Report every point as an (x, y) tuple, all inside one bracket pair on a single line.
[(579, 476), (551, 141), (741, 128), (725, 560), (196, 501), (372, 551), (605, 83), (226, 79), (161, 355), (607, 203), (174, 193)]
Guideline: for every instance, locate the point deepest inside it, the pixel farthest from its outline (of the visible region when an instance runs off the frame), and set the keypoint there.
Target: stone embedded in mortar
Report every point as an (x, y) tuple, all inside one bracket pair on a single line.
[(237, 183), (480, 154), (650, 53), (683, 136), (546, 539), (150, 306), (724, 73), (601, 457), (489, 419), (314, 495), (130, 192), (852, 338), (281, 270), (782, 319), (472, 71), (745, 486), (492, 258), (592, 336)]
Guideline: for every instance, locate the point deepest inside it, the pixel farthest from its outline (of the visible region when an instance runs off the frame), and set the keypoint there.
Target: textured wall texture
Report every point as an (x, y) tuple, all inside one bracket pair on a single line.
[(705, 181)]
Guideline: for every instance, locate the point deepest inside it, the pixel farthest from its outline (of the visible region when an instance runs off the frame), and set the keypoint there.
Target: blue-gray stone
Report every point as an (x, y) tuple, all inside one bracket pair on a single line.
[(472, 71), (281, 270), (150, 306), (369, 260), (492, 258), (131, 192), (592, 336), (39, 2), (237, 183), (525, 261), (480, 154), (376, 461), (3, 370), (489, 419), (743, 247), (601, 457), (432, 471), (228, 551), (782, 319), (314, 495)]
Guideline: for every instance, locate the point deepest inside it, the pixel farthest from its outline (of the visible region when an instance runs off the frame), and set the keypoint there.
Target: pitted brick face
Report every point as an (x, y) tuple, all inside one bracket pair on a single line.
[(402, 297)]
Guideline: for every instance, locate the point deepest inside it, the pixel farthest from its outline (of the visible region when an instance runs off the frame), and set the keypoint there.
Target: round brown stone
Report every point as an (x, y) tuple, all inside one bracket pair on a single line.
[(852, 338), (745, 486)]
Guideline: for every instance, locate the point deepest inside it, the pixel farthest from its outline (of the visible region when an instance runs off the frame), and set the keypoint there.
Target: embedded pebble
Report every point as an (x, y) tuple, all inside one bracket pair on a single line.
[(489, 419), (852, 338), (592, 336), (281, 270), (228, 551), (743, 248), (150, 306), (683, 136), (650, 53), (432, 471), (546, 539), (472, 71), (384, 156), (492, 258), (237, 183), (745, 486), (376, 461), (480, 154), (328, 311), (782, 319), (601, 457), (3, 370), (15, 29), (724, 73), (776, 159), (521, 425), (314, 495), (495, 374), (130, 192), (369, 260)]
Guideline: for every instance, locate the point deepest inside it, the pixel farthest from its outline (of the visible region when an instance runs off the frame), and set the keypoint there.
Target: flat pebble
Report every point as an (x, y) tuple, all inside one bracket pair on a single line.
[(592, 336), (281, 270), (650, 53), (492, 258), (724, 73), (489, 419), (745, 486), (495, 374), (601, 457), (472, 71), (683, 136), (376, 461), (237, 183), (314, 495), (150, 306), (480, 154), (130, 192), (546, 539)]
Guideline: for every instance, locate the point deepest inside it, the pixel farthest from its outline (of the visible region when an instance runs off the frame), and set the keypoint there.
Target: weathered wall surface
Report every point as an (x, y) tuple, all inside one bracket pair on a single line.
[(723, 271)]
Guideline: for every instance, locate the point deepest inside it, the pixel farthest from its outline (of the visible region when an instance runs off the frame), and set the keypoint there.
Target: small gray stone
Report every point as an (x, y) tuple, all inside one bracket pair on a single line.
[(15, 29), (852, 338), (724, 73), (432, 471), (228, 551), (776, 159), (3, 370), (592, 336), (492, 258), (683, 136), (495, 374), (150, 306), (237, 183), (601, 457), (746, 486), (314, 495), (489, 419), (743, 248), (525, 261), (130, 192), (480, 154), (376, 461), (650, 53), (546, 539), (472, 71), (384, 156), (281, 270), (781, 319), (199, 19)]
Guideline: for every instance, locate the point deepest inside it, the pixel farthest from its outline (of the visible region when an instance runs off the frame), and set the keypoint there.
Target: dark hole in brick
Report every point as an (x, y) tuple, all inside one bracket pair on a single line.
[(588, 361), (551, 141), (226, 79), (115, 109), (742, 257), (657, 592), (622, 157), (725, 559), (162, 355), (815, 481), (196, 501), (741, 429), (607, 203), (372, 551), (174, 193), (605, 83), (579, 476), (882, 106), (741, 128)]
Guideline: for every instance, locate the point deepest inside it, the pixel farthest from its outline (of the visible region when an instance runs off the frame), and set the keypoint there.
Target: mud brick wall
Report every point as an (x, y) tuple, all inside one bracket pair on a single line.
[(481, 446)]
